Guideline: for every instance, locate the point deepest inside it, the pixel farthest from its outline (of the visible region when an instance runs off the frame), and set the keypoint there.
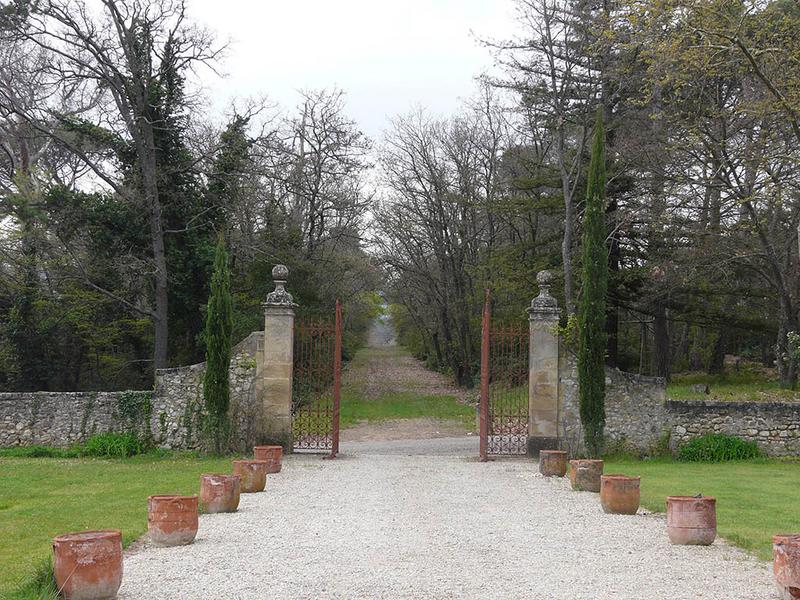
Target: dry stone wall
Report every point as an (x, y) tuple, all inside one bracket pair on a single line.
[(171, 415), (65, 418), (639, 417), (774, 426), (636, 414)]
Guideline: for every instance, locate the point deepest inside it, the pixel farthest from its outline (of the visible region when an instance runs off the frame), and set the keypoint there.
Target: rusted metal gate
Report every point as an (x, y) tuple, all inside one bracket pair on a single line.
[(504, 386), (316, 385)]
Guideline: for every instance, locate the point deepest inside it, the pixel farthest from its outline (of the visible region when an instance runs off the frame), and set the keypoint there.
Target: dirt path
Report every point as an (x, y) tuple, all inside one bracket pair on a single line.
[(383, 367)]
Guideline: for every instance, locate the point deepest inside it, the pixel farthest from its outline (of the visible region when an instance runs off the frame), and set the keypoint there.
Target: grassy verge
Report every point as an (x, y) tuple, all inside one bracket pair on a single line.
[(390, 404), (743, 386), (755, 500), (43, 497), (403, 405)]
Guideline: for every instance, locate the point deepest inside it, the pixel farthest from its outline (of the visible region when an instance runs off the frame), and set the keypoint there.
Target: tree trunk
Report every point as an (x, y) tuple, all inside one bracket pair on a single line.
[(612, 307), (566, 247), (786, 362), (716, 366), (150, 185), (661, 353)]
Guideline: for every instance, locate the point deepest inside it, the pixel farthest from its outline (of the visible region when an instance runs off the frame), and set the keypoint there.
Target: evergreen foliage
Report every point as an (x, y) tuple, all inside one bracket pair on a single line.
[(592, 307), (219, 325)]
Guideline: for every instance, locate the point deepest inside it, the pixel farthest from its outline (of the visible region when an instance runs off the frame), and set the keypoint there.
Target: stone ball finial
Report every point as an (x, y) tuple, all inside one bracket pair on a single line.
[(279, 296), (280, 273), (545, 277), (544, 306)]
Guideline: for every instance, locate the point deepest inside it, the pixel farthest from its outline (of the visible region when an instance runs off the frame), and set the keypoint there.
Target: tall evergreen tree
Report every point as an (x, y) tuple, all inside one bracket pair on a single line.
[(219, 323), (592, 309)]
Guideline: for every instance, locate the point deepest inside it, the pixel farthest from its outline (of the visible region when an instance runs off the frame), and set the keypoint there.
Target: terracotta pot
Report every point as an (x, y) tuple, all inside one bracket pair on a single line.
[(253, 474), (172, 520), (271, 454), (88, 564), (691, 521), (219, 493), (584, 475), (786, 564), (553, 463), (619, 494)]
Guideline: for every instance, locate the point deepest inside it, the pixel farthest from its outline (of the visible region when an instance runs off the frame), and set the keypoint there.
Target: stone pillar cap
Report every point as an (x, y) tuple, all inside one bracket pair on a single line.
[(279, 297), (544, 306)]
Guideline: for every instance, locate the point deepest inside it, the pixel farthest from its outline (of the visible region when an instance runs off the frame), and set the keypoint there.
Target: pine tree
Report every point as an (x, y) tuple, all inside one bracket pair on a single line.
[(219, 323), (592, 309)]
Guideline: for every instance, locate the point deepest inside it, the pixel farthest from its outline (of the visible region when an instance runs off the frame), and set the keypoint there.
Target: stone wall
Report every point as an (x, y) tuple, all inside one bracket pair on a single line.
[(775, 426), (64, 418), (171, 415), (639, 416), (636, 414)]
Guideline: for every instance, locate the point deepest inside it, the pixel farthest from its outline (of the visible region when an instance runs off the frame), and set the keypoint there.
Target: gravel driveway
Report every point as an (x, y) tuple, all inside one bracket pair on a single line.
[(374, 524)]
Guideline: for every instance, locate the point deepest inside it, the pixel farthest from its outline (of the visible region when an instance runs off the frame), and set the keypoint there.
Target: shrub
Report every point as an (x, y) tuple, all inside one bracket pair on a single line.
[(715, 447), (113, 445)]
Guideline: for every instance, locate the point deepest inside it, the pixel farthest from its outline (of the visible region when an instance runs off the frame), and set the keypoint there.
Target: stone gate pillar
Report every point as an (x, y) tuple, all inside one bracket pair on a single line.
[(276, 362), (543, 369)]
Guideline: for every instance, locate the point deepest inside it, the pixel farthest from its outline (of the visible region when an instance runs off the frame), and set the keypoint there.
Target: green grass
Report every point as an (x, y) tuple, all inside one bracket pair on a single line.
[(755, 499), (743, 386), (403, 405), (40, 585), (44, 497), (356, 407)]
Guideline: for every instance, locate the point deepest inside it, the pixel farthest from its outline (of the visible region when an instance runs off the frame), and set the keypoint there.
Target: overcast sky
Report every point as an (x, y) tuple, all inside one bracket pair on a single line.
[(388, 56)]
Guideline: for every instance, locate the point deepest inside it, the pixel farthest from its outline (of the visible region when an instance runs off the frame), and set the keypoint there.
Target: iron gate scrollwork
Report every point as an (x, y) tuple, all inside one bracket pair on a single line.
[(504, 386), (316, 385)]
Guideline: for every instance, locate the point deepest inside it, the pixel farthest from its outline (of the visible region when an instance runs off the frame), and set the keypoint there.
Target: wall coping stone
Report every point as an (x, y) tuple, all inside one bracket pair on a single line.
[(731, 405)]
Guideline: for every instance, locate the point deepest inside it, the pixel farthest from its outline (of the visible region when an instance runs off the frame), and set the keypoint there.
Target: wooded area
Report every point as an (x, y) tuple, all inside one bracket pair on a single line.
[(115, 186), (115, 183), (701, 102)]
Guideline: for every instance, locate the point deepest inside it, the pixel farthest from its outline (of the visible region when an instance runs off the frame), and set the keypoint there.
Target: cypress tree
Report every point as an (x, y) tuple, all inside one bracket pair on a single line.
[(219, 324), (592, 308)]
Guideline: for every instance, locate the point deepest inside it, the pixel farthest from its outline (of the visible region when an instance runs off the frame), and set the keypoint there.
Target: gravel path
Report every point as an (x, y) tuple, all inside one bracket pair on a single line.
[(380, 523)]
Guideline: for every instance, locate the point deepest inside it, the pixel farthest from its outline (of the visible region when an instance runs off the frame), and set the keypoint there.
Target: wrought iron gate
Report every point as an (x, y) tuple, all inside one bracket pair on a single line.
[(504, 386), (316, 385)]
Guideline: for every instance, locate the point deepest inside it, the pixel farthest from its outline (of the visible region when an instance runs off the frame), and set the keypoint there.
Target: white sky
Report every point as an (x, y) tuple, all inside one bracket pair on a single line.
[(387, 55)]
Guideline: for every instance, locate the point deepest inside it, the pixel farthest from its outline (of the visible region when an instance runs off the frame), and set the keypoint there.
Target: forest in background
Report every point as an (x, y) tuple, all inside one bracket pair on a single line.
[(114, 185), (701, 102)]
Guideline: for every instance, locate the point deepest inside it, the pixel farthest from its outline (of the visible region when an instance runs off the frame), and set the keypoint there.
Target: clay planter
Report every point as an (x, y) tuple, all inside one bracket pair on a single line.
[(88, 564), (691, 521), (619, 494), (172, 520), (786, 564), (253, 474), (553, 463), (584, 475), (219, 493), (271, 454)]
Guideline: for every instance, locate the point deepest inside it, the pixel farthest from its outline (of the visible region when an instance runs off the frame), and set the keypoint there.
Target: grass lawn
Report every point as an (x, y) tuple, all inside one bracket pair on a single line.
[(403, 405), (755, 500), (390, 402), (43, 497), (746, 385)]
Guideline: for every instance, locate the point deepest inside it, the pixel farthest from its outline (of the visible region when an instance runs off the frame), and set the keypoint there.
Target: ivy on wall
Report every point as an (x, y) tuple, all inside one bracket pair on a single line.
[(135, 409)]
